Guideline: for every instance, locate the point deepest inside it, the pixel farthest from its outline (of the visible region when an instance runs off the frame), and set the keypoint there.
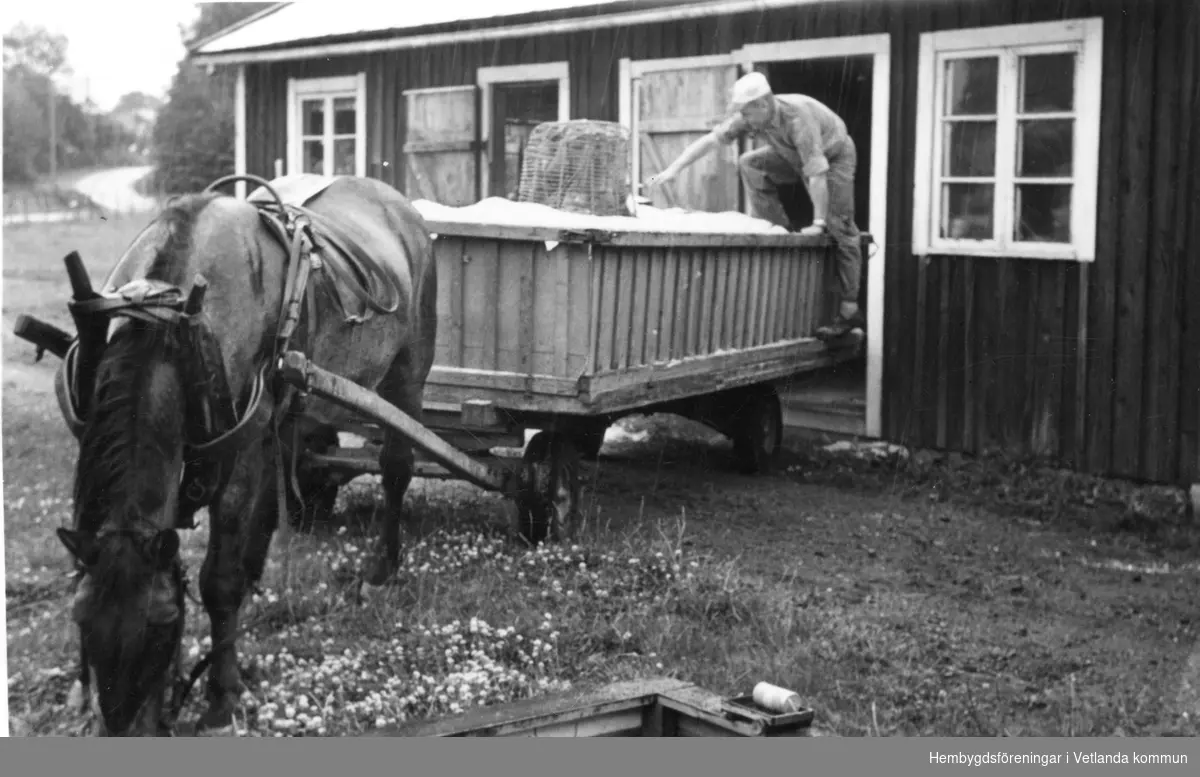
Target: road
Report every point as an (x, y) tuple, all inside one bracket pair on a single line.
[(114, 188)]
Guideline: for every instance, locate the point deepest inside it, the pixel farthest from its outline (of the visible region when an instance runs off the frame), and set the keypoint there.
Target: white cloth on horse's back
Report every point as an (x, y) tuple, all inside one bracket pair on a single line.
[(503, 212)]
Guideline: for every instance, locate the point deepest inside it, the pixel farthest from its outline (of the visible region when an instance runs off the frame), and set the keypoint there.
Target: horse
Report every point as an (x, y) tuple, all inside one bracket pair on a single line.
[(152, 391)]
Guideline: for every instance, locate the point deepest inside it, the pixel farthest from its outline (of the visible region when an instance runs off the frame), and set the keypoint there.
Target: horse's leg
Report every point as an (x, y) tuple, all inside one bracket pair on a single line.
[(226, 576), (396, 461)]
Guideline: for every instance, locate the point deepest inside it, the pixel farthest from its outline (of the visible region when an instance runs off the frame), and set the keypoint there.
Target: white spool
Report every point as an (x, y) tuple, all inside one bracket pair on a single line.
[(776, 699)]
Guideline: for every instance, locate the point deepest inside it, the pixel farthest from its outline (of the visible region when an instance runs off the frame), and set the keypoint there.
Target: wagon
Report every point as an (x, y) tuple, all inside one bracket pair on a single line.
[(563, 332)]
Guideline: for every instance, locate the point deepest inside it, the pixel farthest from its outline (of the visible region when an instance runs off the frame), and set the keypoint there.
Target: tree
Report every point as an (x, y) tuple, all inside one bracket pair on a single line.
[(32, 56), (35, 50), (24, 129), (83, 136), (193, 139)]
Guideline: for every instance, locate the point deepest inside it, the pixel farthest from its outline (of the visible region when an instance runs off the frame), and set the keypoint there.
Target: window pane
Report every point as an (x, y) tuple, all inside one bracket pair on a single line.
[(313, 113), (967, 211), (1045, 147), (971, 86), (1043, 213), (970, 148), (1047, 83), (343, 116), (343, 156), (314, 157)]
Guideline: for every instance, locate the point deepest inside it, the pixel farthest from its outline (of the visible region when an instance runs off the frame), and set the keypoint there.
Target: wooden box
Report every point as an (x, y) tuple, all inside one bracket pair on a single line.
[(592, 323)]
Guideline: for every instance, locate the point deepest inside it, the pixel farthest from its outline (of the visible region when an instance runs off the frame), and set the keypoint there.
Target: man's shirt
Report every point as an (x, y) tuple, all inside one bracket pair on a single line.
[(803, 131)]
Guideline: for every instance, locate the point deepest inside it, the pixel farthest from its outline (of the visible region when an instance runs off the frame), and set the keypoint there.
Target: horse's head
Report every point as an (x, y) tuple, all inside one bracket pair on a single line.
[(130, 611), (130, 601)]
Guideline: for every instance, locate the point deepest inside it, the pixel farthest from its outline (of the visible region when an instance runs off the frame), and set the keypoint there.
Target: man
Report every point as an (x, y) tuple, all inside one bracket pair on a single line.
[(805, 141)]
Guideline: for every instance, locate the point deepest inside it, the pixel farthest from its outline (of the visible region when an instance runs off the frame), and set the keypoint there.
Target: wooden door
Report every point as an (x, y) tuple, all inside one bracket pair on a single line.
[(441, 151), (675, 103)]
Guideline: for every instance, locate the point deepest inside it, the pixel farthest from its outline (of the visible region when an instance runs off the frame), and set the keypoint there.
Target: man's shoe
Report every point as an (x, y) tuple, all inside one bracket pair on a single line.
[(840, 327)]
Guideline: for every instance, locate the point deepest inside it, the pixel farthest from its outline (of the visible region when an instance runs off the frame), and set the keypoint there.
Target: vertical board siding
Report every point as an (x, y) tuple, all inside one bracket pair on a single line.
[(1187, 248), (513, 306), (1094, 366)]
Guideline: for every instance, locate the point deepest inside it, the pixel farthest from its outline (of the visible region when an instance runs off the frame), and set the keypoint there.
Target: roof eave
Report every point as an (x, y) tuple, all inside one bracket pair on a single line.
[(221, 33), (383, 41)]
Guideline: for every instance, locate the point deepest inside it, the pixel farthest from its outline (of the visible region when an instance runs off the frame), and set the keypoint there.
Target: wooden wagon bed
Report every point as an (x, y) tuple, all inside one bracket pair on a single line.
[(592, 323), (554, 329)]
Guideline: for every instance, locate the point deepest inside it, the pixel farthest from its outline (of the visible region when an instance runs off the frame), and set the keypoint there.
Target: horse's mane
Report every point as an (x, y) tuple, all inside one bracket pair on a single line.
[(108, 489)]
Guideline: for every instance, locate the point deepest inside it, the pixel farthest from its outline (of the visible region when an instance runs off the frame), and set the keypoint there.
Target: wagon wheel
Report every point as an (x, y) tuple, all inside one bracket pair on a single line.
[(318, 488), (548, 506), (590, 442), (756, 428), (320, 493)]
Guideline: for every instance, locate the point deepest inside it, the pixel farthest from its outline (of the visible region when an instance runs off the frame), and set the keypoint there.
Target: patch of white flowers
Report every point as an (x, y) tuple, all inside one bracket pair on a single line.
[(331, 676), (427, 672)]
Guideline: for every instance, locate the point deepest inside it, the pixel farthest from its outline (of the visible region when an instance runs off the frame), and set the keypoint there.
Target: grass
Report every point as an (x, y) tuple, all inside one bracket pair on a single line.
[(908, 598)]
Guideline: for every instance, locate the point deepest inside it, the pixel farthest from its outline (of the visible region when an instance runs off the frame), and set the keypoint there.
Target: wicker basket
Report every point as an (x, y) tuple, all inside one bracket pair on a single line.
[(580, 166)]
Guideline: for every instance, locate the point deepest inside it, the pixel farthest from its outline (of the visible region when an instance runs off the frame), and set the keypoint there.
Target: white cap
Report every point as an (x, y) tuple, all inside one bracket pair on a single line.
[(749, 88)]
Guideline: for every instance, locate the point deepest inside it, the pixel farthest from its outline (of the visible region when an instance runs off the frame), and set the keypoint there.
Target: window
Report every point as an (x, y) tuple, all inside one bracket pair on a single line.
[(1008, 141), (326, 125)]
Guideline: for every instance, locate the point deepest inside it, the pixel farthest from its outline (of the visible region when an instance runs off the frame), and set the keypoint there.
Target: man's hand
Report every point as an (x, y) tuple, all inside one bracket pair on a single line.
[(666, 176), (816, 228)]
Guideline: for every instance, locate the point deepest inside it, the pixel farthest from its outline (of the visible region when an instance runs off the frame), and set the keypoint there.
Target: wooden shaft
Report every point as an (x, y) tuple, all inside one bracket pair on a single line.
[(44, 336), (300, 372), (81, 284)]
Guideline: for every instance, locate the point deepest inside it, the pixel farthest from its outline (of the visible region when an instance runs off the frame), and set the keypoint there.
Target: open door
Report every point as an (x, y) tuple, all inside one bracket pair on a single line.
[(673, 103), (516, 109), (442, 145)]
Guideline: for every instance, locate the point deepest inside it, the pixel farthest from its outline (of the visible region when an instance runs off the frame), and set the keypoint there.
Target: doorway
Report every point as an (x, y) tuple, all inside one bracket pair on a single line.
[(516, 110), (846, 85), (515, 99), (851, 75)]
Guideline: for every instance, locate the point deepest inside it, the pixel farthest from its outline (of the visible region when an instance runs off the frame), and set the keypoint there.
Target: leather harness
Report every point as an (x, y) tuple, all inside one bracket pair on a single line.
[(215, 428)]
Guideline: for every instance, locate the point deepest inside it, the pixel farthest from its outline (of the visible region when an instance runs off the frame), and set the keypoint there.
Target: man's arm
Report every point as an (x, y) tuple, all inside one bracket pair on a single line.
[(698, 148), (807, 137), (818, 191), (726, 132)]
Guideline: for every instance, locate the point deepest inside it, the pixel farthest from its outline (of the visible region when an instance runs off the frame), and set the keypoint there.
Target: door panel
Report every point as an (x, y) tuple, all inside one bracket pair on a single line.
[(673, 108), (442, 146)]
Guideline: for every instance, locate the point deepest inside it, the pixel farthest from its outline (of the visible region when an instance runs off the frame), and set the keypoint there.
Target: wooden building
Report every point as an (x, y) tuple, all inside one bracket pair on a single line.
[(1028, 169)]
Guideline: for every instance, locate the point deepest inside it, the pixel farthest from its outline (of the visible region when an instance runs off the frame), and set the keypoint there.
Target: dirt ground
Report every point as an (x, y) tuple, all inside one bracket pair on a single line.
[(908, 597)]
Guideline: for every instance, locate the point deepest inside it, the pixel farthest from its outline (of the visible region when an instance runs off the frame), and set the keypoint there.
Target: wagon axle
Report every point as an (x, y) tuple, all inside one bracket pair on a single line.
[(545, 487)]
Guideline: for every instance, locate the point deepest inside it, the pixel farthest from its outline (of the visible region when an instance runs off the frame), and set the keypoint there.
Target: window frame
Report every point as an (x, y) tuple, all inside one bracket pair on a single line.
[(1009, 42), (328, 89)]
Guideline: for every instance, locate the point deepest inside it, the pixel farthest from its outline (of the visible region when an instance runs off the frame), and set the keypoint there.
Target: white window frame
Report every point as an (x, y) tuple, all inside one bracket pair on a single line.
[(487, 77), (299, 89), (1085, 36)]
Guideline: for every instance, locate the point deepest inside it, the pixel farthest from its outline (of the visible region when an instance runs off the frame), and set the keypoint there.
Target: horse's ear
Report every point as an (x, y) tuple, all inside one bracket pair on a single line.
[(164, 547), (80, 544)]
